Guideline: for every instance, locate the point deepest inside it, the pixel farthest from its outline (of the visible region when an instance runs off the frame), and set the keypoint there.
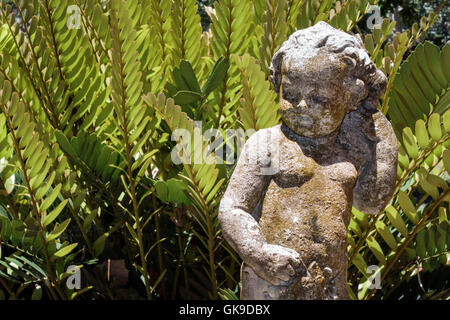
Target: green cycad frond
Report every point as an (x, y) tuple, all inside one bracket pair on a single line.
[(32, 159), (93, 158), (31, 54), (386, 59), (7, 172), (346, 14), (127, 84), (203, 180), (186, 32), (258, 108), (11, 71), (275, 32), (77, 68), (227, 99), (418, 208), (228, 294), (230, 28), (313, 11), (293, 8), (392, 58), (131, 115), (96, 25), (157, 55), (230, 34), (425, 147), (422, 86)]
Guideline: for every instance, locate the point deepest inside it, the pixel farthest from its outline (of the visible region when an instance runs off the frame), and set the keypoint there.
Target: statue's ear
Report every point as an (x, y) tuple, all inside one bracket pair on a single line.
[(377, 86), (357, 91), (275, 70)]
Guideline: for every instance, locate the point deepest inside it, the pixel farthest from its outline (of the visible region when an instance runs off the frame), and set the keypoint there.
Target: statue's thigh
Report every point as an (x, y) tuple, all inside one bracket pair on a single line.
[(256, 288)]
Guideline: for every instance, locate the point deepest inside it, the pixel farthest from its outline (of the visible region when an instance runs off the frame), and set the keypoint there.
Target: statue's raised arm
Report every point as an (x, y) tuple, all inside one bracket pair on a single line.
[(370, 137)]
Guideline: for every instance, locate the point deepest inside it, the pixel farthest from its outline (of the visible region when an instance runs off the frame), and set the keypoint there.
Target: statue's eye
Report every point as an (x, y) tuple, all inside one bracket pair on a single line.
[(293, 96)]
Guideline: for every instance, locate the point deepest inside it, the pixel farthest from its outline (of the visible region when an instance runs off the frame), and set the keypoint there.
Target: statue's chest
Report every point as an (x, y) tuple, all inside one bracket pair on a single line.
[(308, 202), (295, 168)]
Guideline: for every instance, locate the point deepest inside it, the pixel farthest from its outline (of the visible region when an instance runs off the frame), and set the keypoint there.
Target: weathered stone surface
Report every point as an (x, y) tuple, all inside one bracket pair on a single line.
[(288, 202)]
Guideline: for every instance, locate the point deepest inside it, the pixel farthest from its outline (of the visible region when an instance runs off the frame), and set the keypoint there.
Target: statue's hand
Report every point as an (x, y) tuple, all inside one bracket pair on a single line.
[(275, 263)]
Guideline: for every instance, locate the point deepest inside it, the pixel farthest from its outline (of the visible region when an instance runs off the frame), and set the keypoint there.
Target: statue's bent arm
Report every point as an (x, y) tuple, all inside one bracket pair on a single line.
[(239, 227), (243, 192), (377, 176)]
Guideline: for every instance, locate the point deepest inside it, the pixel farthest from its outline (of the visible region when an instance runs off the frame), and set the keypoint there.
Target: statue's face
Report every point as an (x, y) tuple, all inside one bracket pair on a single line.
[(316, 94)]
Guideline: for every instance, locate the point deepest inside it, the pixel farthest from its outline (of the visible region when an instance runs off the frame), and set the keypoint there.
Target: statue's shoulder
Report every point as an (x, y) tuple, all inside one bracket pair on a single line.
[(262, 148), (265, 140)]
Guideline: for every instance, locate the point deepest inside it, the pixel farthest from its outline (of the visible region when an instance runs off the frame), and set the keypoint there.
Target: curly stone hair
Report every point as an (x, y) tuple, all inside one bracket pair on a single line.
[(348, 48)]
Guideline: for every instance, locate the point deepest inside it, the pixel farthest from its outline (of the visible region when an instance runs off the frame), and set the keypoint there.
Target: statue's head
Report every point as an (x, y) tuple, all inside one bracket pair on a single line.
[(320, 74)]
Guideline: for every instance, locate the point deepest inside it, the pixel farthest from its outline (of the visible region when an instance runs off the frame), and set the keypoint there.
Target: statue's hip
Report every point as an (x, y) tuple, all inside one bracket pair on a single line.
[(312, 283)]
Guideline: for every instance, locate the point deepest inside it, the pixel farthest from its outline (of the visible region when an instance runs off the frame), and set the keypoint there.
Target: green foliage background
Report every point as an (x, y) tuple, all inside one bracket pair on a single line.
[(86, 117)]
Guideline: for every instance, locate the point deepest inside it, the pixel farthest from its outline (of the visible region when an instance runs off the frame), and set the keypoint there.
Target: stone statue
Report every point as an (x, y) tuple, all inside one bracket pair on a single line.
[(289, 200)]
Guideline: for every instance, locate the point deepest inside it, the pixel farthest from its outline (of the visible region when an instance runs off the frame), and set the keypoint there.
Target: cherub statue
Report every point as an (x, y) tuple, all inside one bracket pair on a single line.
[(288, 203)]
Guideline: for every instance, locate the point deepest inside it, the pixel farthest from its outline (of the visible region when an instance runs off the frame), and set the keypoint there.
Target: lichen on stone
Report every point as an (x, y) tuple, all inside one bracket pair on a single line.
[(288, 203)]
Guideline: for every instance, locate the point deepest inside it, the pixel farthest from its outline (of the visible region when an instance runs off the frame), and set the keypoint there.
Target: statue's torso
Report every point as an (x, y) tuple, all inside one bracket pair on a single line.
[(307, 206)]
